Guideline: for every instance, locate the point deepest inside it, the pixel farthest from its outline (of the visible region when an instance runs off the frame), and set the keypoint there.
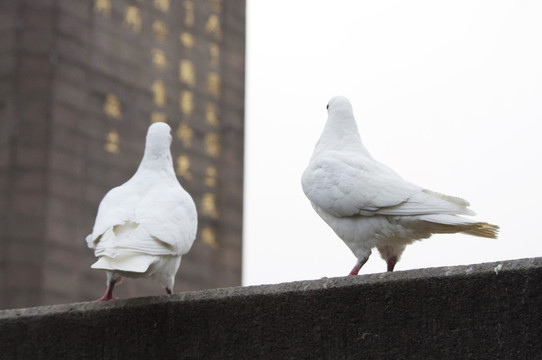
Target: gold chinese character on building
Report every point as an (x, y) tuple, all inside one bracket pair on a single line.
[(210, 176), (132, 18), (159, 59), (216, 4), (112, 142), (112, 106), (212, 144), (157, 116), (183, 167), (187, 73), (208, 205), (103, 7), (162, 5), (186, 102), (213, 84), (188, 13), (159, 29), (214, 50), (158, 89), (213, 26), (208, 236), (187, 40), (185, 134), (211, 114)]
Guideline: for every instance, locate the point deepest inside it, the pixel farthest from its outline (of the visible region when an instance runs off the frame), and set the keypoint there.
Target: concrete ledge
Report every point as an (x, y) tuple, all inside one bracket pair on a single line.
[(484, 311)]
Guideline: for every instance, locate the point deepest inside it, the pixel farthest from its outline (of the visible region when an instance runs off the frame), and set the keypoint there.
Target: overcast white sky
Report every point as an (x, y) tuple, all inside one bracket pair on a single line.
[(448, 93)]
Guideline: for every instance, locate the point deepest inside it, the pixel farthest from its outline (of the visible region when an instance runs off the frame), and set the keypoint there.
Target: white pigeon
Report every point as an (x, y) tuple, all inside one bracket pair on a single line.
[(147, 224), (368, 204)]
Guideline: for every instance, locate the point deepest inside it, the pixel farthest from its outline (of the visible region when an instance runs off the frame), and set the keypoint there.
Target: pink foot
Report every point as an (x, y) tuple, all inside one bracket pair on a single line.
[(104, 298), (355, 270), (358, 266), (108, 295)]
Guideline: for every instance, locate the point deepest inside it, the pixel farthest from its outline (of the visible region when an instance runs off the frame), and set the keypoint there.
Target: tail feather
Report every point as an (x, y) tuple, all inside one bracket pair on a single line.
[(130, 262), (483, 229), (444, 223)]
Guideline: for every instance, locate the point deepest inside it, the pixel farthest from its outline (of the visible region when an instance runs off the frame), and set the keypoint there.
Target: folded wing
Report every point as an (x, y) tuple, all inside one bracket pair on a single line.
[(351, 184), (132, 228)]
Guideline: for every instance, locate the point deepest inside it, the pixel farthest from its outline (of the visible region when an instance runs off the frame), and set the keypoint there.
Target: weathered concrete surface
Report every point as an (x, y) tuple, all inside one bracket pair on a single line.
[(485, 311)]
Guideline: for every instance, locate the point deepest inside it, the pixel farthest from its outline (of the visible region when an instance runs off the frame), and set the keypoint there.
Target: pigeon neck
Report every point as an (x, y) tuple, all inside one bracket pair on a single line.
[(341, 133), (157, 161)]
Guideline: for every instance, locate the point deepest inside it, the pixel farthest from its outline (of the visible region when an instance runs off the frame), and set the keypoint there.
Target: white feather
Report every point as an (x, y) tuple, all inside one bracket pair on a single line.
[(368, 204), (150, 221)]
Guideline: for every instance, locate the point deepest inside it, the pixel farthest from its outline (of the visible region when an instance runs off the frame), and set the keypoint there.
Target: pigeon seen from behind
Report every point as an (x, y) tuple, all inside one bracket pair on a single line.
[(144, 226), (368, 204)]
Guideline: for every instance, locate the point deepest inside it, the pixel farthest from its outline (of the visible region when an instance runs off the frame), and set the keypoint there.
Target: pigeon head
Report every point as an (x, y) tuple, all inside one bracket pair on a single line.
[(339, 104), (158, 140), (341, 130), (340, 115)]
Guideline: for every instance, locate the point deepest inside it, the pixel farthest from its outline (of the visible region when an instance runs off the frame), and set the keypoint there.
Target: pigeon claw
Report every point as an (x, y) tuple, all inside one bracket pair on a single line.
[(104, 298)]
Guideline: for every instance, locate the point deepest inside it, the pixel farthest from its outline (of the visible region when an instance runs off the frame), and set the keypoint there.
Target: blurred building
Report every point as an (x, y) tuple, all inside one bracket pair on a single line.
[(80, 82)]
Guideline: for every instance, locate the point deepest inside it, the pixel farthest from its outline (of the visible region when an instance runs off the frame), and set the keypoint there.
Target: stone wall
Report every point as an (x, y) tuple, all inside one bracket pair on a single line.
[(484, 311)]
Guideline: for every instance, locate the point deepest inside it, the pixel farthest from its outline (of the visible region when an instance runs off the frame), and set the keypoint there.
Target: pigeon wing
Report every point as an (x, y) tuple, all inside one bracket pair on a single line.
[(116, 208), (159, 220), (427, 202), (169, 215), (350, 184)]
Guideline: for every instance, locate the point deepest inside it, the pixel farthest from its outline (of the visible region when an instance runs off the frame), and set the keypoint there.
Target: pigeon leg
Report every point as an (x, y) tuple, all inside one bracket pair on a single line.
[(108, 295), (355, 270), (391, 263), (169, 291), (359, 264), (111, 281)]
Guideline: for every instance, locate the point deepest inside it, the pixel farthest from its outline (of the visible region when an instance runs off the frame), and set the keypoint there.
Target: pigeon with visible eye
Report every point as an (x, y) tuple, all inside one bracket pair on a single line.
[(368, 204), (144, 226)]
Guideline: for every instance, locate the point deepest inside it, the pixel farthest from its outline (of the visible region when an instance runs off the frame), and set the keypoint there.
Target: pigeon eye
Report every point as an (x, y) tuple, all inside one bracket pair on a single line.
[(327, 107)]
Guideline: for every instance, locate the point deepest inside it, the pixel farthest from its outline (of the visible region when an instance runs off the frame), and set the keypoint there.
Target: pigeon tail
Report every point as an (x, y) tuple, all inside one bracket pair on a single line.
[(127, 261), (483, 229), (449, 224)]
